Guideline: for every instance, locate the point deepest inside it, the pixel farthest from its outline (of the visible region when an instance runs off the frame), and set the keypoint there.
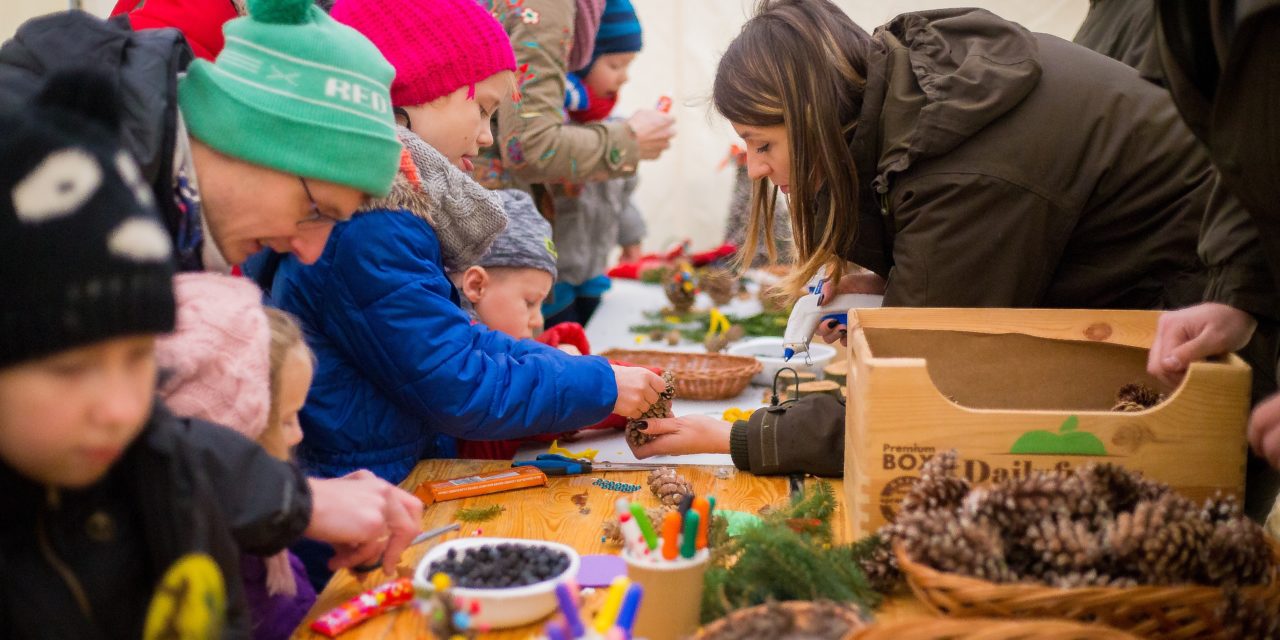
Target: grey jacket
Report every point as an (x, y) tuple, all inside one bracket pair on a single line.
[(588, 225)]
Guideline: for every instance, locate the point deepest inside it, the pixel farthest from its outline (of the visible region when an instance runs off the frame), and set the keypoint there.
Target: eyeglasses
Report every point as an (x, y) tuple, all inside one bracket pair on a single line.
[(317, 217)]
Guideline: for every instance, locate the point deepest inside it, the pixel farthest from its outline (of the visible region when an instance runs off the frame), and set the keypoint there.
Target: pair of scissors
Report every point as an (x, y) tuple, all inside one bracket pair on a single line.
[(558, 465)]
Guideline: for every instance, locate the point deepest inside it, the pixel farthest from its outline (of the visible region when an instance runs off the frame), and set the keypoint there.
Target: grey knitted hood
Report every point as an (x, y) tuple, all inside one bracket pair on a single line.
[(466, 216)]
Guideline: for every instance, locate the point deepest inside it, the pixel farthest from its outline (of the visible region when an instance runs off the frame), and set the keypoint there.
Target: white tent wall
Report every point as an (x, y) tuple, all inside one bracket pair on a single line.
[(683, 195)]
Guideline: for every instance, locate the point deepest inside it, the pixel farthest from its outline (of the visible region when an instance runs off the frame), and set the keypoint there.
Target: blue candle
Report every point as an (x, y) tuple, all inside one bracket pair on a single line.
[(630, 605)]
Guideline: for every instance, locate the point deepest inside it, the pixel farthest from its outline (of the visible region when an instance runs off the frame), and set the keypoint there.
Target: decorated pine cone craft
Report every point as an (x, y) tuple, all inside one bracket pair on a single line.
[(1100, 525), (660, 409), (669, 487), (680, 290)]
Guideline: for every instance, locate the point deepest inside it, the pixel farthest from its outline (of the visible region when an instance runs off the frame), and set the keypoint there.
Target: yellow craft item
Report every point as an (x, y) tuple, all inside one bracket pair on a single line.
[(608, 613), (585, 454), (735, 414), (718, 323), (441, 581)]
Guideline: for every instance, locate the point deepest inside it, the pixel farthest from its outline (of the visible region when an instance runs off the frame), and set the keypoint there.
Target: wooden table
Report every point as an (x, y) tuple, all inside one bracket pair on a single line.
[(549, 513)]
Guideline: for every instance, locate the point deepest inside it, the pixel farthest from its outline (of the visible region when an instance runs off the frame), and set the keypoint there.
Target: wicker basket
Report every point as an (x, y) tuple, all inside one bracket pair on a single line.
[(699, 376), (987, 629), (808, 617), (1168, 613)]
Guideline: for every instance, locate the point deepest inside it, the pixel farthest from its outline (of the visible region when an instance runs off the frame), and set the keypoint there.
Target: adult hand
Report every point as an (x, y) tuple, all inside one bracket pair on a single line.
[(365, 518), (630, 253), (638, 389), (681, 436), (1264, 430), (864, 282), (1195, 333), (653, 130)]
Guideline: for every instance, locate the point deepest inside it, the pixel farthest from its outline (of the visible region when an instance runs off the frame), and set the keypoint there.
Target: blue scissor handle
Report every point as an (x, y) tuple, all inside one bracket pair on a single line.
[(840, 318), (556, 465)]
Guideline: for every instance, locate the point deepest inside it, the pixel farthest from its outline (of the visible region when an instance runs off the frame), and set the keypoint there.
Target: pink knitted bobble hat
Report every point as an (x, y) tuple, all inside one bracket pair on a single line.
[(216, 365), (436, 46)]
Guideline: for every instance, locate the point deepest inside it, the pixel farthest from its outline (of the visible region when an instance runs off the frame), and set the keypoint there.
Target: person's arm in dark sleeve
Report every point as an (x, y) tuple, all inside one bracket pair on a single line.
[(806, 436)]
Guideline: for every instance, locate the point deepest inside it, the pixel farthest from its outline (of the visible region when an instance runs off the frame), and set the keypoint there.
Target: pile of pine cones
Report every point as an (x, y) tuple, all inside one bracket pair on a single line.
[(1098, 526)]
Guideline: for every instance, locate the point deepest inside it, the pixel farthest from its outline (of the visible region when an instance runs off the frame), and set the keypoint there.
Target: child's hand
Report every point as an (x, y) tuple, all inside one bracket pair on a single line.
[(638, 389), (365, 518), (680, 436), (653, 130)]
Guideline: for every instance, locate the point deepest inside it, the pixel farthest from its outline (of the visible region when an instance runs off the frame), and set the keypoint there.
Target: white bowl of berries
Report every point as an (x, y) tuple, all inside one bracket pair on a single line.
[(511, 581)]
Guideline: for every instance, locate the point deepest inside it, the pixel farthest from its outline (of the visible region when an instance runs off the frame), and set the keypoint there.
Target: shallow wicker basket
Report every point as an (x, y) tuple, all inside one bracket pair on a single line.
[(987, 629), (699, 376), (808, 617), (1168, 613)]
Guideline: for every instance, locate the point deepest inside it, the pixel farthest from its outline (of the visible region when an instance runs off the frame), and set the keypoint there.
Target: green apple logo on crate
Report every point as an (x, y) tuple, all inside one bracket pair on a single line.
[(1068, 441)]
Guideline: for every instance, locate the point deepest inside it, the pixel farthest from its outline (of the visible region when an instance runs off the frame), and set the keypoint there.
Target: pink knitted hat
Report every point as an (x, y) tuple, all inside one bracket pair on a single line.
[(216, 365), (436, 46)]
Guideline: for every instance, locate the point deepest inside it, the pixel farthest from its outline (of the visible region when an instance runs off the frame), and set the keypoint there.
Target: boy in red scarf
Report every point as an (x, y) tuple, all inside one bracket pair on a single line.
[(592, 218)]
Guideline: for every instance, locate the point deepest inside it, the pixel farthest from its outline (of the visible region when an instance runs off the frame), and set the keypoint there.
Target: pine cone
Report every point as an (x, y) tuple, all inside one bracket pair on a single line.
[(1060, 545), (720, 284), (1220, 508), (1249, 618), (949, 543), (669, 487), (1013, 506), (880, 566), (1117, 487), (1161, 541), (611, 529), (1137, 395), (1236, 553), (659, 409), (938, 487)]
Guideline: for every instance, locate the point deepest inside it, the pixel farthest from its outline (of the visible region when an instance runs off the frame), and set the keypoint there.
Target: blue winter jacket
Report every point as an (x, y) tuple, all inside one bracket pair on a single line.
[(401, 370)]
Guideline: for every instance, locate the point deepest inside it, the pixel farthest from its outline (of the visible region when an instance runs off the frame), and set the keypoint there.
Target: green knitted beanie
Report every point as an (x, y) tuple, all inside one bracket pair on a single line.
[(296, 91)]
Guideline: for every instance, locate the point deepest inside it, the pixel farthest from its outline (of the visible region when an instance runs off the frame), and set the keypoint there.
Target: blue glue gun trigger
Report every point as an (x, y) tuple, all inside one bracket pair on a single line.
[(840, 318)]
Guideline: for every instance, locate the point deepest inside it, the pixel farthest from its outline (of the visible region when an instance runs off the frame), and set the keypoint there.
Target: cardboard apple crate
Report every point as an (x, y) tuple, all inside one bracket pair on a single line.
[(1021, 390)]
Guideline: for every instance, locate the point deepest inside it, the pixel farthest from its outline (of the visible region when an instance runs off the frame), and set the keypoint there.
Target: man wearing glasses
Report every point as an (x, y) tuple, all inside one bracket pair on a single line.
[(289, 131)]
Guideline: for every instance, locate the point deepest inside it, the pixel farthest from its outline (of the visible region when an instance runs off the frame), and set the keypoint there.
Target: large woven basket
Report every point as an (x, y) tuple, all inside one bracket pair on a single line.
[(699, 376), (1168, 613), (987, 629)]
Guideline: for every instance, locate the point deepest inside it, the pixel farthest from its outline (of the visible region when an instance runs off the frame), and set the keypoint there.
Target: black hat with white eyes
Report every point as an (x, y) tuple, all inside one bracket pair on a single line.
[(83, 256)]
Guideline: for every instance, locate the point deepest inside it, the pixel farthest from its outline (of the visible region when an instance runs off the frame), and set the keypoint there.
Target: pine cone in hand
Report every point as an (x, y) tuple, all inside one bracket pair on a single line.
[(659, 409), (669, 487)]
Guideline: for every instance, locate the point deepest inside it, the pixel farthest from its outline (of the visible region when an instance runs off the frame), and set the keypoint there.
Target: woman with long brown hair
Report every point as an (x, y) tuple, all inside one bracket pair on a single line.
[(953, 159)]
